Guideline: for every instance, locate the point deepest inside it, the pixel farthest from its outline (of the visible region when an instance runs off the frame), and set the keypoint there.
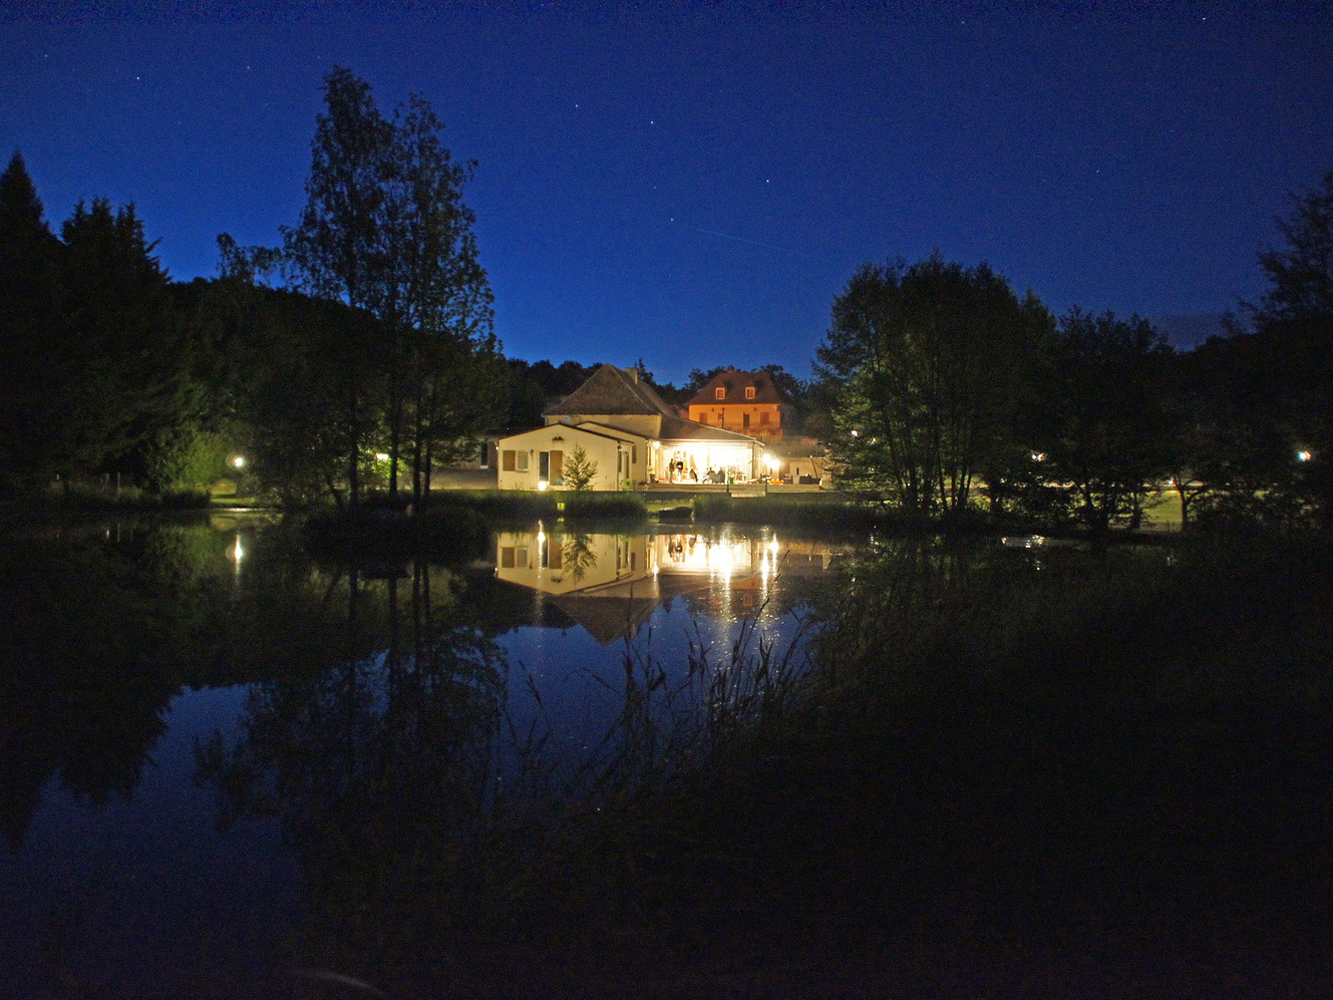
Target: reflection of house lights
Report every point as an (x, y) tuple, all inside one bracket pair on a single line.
[(236, 553)]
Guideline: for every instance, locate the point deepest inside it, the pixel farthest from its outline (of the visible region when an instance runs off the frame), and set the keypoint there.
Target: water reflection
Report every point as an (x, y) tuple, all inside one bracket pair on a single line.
[(205, 698), (611, 583)]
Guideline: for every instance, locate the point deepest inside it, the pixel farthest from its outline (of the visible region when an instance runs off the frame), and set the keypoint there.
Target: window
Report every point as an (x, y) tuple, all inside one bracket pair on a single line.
[(749, 392), (719, 393), (522, 457), (507, 460), (763, 417), (634, 453), (485, 455), (745, 420)]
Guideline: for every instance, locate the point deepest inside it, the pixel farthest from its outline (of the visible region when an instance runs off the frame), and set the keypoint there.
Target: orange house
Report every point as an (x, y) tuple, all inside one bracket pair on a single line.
[(745, 402)]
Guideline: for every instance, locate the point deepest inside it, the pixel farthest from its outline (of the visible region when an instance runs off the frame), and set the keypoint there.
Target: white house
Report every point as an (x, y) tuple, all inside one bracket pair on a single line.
[(632, 435)]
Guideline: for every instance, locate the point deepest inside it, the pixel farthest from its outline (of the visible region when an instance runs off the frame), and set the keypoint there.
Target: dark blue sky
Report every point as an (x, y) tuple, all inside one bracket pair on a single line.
[(692, 184)]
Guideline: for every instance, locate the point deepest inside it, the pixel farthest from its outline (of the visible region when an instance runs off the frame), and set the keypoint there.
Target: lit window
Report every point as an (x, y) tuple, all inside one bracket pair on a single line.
[(749, 392), (720, 393), (522, 457)]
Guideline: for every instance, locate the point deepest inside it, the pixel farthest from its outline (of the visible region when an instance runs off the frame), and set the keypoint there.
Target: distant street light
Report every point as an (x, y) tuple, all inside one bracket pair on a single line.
[(238, 461), (1304, 456)]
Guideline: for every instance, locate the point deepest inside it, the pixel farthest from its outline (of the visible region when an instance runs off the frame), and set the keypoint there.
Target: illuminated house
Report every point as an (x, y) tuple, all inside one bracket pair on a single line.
[(744, 402), (633, 437)]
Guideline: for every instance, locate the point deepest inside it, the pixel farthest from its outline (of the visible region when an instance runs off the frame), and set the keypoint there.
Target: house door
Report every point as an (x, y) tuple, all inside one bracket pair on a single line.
[(557, 466)]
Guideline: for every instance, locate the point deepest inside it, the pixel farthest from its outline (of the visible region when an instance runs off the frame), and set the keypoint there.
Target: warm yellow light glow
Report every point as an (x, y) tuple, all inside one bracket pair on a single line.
[(236, 553), (238, 461), (542, 484), (381, 456)]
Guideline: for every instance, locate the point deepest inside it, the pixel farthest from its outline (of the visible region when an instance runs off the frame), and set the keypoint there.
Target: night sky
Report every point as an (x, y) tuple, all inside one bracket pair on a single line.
[(692, 184)]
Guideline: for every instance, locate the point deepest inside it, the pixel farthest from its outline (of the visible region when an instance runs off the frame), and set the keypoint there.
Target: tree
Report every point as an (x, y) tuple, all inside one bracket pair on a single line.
[(30, 294), (1293, 338), (1300, 274), (926, 366), (338, 249), (451, 357), (579, 470), (29, 318), (1112, 435), (123, 370), (385, 230)]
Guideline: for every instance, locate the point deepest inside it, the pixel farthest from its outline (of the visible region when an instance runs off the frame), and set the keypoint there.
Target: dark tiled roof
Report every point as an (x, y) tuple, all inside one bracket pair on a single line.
[(734, 383), (611, 390), (680, 429)]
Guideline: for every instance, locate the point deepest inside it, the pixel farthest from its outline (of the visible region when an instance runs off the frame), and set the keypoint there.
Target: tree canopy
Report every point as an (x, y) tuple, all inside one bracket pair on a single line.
[(927, 364), (385, 230)]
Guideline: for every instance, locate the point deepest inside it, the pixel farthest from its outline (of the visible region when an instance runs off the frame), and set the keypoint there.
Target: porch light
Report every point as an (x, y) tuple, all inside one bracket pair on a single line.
[(1304, 456), (542, 484)]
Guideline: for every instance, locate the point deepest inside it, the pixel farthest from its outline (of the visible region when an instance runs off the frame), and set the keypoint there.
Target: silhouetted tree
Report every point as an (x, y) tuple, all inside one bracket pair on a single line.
[(927, 365), (30, 295), (1294, 335), (1113, 438), (385, 230)]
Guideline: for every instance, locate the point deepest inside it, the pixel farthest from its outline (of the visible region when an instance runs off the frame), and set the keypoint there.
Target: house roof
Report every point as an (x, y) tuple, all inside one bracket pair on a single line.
[(680, 429), (614, 392), (583, 427), (733, 383)]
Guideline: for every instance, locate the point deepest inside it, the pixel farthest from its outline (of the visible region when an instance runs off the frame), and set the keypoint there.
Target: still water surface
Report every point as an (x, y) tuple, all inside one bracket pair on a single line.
[(188, 711)]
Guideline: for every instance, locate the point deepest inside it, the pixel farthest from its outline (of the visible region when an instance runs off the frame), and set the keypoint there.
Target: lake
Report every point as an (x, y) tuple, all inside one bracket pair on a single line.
[(230, 769), (199, 724)]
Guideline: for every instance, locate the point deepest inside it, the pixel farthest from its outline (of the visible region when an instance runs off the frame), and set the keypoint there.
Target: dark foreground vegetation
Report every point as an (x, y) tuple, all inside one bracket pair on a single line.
[(1093, 774)]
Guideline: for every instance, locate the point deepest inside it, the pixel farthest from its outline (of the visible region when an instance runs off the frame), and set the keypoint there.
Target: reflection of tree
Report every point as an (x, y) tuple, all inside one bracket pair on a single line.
[(578, 555), (379, 766), (86, 648)]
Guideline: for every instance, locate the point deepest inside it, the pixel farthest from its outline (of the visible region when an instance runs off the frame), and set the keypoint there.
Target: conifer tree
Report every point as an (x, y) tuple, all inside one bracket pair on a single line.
[(29, 314)]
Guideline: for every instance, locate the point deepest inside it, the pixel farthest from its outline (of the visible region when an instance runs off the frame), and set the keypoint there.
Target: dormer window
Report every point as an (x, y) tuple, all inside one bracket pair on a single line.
[(749, 392), (720, 393)]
